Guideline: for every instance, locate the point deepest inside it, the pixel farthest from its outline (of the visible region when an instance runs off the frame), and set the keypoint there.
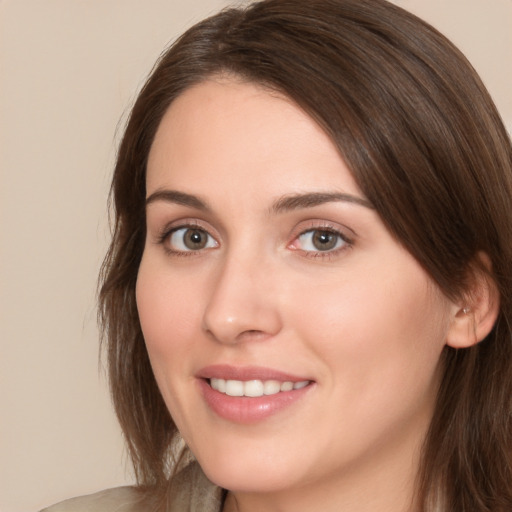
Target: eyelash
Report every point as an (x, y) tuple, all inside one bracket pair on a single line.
[(166, 234), (347, 242)]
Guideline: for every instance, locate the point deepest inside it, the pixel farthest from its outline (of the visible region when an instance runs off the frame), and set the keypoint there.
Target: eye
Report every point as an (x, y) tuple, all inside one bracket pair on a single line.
[(320, 240), (188, 239)]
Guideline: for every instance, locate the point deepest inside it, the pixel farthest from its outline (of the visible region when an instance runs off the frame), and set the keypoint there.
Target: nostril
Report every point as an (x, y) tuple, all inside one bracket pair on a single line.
[(253, 335)]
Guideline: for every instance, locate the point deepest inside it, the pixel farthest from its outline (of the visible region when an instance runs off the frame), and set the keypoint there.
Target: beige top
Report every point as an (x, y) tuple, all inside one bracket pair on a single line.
[(196, 494)]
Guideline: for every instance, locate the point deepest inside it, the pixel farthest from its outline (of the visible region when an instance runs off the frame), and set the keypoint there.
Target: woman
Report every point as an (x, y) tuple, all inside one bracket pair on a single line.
[(310, 272)]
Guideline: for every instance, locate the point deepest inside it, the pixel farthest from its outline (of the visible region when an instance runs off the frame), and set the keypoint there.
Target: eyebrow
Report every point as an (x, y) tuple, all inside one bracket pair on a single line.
[(309, 200), (182, 198), (283, 204)]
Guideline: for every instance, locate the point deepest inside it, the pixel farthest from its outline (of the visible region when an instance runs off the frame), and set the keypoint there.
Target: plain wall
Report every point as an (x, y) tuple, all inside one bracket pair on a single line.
[(69, 69)]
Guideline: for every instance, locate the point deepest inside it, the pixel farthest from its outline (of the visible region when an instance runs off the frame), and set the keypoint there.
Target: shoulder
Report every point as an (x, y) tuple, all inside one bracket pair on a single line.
[(119, 499), (194, 492), (191, 491)]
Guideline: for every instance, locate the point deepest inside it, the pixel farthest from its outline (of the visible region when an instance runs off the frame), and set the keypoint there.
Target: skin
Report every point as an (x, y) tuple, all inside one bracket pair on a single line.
[(363, 321)]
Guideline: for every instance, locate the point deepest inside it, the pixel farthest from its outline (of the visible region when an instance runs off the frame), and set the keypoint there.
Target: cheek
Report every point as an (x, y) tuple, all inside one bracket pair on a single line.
[(377, 332), (169, 325), (166, 314)]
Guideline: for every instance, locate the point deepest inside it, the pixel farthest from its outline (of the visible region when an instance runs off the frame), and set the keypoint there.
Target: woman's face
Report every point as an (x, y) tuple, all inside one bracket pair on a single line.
[(266, 270)]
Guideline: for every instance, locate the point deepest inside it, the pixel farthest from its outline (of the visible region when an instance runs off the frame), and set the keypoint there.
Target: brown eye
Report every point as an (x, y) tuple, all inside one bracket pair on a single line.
[(324, 240), (321, 240), (195, 239), (190, 239)]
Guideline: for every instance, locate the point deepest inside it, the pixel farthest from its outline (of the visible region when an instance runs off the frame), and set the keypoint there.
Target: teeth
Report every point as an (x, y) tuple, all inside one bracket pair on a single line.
[(271, 387), (234, 388), (254, 388), (286, 386)]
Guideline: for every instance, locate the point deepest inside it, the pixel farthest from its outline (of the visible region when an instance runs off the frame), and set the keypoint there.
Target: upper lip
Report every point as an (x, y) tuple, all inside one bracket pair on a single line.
[(229, 372)]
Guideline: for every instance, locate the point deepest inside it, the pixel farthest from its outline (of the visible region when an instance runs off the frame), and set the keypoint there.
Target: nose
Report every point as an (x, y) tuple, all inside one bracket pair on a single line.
[(243, 303)]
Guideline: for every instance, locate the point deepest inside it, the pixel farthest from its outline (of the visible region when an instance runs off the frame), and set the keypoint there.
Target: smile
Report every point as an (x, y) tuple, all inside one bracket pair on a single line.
[(250, 394), (254, 388)]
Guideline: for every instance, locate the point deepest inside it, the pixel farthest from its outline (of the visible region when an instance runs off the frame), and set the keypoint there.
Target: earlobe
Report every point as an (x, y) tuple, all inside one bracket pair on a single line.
[(475, 317)]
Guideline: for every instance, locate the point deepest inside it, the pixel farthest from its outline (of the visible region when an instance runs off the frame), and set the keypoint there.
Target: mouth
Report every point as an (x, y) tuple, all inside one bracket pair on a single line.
[(248, 395), (255, 388)]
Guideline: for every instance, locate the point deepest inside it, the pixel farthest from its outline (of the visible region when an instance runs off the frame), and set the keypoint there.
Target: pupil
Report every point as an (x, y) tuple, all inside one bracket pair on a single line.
[(324, 240), (194, 239)]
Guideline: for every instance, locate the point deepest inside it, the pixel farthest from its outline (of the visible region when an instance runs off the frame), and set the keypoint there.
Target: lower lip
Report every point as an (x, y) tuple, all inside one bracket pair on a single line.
[(247, 410)]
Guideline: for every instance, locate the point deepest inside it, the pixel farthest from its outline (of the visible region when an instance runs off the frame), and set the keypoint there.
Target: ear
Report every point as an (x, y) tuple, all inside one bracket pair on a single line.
[(476, 313)]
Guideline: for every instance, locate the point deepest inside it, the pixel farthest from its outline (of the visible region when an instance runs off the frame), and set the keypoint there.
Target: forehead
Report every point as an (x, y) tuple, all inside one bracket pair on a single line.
[(238, 132)]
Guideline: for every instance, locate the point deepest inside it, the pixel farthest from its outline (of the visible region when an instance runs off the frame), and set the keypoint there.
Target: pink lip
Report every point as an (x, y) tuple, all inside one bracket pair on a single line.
[(228, 372), (247, 410)]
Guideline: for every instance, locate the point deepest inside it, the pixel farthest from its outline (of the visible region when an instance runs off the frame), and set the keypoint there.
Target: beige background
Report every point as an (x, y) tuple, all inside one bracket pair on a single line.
[(68, 71)]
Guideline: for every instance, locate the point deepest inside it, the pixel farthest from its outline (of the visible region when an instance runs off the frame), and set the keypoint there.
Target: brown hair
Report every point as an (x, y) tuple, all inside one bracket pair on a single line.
[(425, 143)]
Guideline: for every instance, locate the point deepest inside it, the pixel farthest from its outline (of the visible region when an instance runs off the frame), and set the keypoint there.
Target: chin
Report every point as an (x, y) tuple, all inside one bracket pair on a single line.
[(239, 474), (246, 482)]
